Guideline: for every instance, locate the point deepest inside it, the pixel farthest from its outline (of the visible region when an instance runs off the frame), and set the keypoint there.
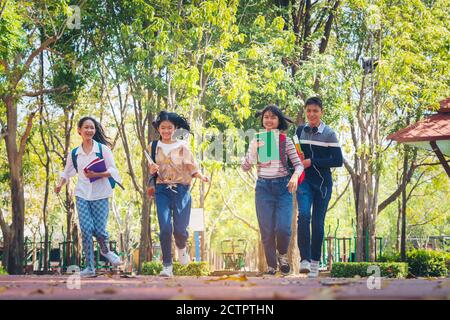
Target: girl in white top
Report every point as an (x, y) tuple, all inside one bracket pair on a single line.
[(92, 197)]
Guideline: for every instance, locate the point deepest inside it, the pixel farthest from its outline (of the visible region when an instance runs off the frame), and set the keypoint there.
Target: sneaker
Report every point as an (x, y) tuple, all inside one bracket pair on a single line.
[(183, 256), (305, 266), (314, 273), (87, 273), (112, 258), (285, 268), (167, 271), (271, 271)]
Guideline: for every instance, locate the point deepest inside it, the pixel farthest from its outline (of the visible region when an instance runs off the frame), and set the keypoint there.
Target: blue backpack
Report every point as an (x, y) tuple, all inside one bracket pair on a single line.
[(112, 182)]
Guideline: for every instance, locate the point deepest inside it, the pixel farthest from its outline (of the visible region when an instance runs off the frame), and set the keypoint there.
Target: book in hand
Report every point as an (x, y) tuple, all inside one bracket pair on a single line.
[(97, 165), (269, 151)]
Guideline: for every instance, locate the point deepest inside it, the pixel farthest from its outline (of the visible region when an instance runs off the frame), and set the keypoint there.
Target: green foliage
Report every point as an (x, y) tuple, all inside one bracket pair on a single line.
[(423, 262), (389, 257), (192, 269), (351, 269), (2, 271), (151, 268), (428, 263)]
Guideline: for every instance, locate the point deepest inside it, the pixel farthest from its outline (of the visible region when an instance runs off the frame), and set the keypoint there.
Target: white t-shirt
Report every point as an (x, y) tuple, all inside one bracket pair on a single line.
[(99, 189), (167, 147)]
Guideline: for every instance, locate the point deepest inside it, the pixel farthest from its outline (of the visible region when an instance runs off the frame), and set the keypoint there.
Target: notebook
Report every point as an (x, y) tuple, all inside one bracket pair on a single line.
[(97, 165), (270, 150)]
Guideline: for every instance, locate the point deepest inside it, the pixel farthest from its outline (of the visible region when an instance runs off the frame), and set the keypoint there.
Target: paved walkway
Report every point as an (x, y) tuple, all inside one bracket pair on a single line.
[(217, 288)]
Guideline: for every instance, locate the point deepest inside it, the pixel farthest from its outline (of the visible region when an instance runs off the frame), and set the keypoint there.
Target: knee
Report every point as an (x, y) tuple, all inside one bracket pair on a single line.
[(180, 234), (304, 216), (285, 231)]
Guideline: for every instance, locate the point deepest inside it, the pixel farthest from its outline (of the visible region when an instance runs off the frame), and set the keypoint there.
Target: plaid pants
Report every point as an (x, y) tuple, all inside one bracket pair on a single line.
[(93, 218)]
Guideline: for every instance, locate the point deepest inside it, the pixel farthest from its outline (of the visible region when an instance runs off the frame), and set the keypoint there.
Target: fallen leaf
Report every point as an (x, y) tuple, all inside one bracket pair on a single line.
[(182, 297), (444, 284), (3, 289), (239, 278), (37, 291), (335, 282), (107, 291), (324, 294)]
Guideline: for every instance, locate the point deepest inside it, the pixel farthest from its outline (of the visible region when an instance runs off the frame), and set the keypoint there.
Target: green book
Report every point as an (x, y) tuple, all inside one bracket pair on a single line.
[(269, 151)]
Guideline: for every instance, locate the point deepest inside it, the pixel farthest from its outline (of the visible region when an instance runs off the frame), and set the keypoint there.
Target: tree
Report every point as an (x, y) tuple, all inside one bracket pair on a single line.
[(17, 53)]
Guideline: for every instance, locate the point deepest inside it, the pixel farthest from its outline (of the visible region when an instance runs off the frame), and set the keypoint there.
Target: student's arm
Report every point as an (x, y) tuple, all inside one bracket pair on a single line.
[(335, 160), (251, 157), (69, 171), (192, 165), (293, 156)]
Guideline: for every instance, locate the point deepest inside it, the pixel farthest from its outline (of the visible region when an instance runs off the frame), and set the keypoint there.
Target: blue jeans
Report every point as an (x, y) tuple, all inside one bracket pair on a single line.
[(274, 212), (310, 194), (172, 201)]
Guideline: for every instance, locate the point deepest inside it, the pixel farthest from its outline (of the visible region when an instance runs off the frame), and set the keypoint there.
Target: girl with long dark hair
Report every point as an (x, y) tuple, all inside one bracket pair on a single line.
[(92, 190)]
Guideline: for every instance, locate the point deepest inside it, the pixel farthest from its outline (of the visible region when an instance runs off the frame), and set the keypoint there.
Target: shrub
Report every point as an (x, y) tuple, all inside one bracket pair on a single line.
[(427, 263), (192, 269), (2, 271), (390, 257), (151, 268), (351, 269)]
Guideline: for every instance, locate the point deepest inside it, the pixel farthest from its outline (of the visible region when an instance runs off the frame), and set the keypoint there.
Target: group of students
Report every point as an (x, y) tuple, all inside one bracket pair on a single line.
[(173, 167)]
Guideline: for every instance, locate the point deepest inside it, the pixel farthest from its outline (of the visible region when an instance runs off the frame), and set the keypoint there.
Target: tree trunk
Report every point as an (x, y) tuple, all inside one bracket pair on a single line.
[(16, 250), (6, 231), (403, 209), (293, 252), (262, 264)]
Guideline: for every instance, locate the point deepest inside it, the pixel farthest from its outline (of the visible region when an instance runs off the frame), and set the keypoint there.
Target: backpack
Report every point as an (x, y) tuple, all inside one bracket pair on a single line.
[(112, 182), (152, 179), (285, 159)]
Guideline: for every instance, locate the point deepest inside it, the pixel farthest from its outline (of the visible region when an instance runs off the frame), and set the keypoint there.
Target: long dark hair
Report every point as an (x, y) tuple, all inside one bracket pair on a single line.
[(178, 121), (99, 135), (283, 120)]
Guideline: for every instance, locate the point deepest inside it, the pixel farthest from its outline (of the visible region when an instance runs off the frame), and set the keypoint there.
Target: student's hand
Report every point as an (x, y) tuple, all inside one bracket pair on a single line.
[(58, 189), (293, 183), (154, 168), (204, 178), (307, 163), (254, 145), (91, 174), (302, 156)]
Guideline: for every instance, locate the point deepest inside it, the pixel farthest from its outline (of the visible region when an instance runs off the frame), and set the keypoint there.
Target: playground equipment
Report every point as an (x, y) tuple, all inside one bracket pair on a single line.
[(57, 257), (234, 253), (335, 249)]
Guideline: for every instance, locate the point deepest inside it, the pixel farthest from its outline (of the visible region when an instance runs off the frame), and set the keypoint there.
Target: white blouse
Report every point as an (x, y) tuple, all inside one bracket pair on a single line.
[(99, 189)]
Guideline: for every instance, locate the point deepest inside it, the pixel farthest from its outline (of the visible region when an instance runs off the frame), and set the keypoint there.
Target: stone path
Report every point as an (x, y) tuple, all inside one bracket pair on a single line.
[(218, 288)]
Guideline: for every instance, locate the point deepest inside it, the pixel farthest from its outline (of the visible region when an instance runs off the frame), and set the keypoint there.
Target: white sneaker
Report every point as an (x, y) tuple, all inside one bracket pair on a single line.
[(113, 258), (87, 273), (305, 266), (183, 256), (166, 271), (314, 273)]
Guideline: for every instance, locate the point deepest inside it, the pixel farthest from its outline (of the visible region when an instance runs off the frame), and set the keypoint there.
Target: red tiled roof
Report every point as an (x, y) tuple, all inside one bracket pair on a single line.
[(435, 127)]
